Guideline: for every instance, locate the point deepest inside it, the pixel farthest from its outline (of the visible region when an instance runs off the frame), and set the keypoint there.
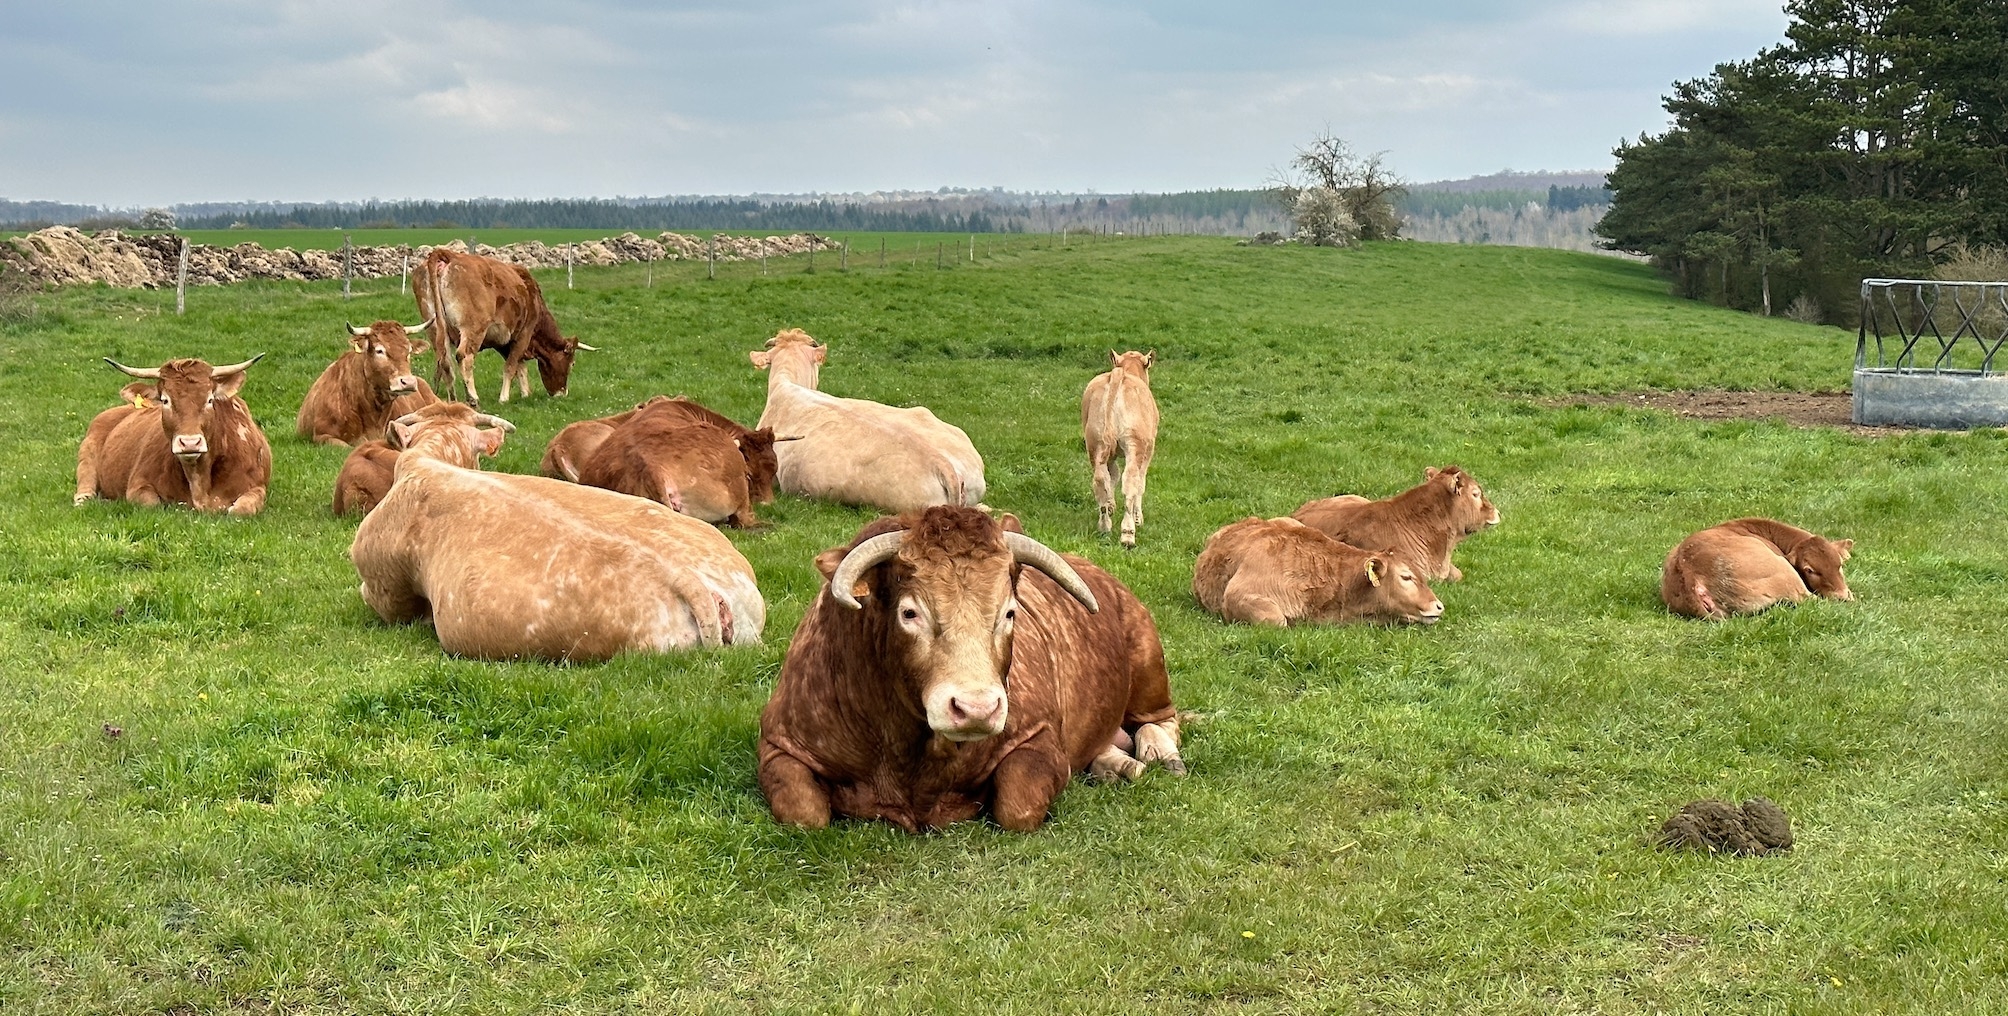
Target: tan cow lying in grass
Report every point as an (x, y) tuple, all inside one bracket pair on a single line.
[(1119, 418), (951, 663), (1745, 565), (369, 471), (1282, 572), (859, 452), (1426, 522), (510, 567), (186, 438), (359, 393)]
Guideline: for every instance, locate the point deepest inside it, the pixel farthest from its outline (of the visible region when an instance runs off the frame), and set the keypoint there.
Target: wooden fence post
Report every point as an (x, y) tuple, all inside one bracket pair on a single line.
[(711, 257), (881, 252), (181, 280), (938, 245), (348, 262), (844, 257), (568, 265), (404, 271), (972, 248), (650, 284)]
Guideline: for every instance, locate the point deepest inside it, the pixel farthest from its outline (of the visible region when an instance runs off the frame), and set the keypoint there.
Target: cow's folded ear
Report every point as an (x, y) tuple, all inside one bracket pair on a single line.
[(1428, 473), (489, 442), (827, 561), (759, 358), (138, 393), (1011, 524), (1846, 547), (1374, 568), (358, 343)]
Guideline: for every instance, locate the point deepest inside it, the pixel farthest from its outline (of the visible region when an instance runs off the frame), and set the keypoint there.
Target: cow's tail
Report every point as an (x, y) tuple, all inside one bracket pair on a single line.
[(952, 484), (445, 354)]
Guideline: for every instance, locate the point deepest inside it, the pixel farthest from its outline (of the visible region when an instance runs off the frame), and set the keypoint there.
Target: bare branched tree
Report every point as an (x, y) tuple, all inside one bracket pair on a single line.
[(1325, 178)]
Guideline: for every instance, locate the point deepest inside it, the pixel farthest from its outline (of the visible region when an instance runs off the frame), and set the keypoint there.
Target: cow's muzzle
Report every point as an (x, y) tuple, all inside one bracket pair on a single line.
[(1432, 614), (191, 446), (403, 384), (967, 714)]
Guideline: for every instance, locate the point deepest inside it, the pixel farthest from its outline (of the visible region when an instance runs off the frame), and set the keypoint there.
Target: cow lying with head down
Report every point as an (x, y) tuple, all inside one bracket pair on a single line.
[(1425, 522), (1745, 565), (952, 663), (510, 567), (186, 438), (359, 393), (1282, 572), (369, 471)]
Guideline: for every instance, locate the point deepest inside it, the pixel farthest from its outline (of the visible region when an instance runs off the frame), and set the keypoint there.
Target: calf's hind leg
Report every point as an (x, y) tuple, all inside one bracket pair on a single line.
[(1136, 467), (1101, 464)]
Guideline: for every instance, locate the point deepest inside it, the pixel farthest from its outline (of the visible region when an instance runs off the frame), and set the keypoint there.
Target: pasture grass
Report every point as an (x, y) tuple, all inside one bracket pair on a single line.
[(309, 811)]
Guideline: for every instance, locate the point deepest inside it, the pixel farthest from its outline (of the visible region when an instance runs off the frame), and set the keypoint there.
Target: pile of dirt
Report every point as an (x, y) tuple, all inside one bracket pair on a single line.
[(1758, 827), (1801, 409), (63, 255)]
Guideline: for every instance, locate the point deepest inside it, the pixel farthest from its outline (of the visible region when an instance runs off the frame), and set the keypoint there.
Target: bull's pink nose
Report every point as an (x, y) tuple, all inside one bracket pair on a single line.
[(404, 383), (975, 709), (190, 443)]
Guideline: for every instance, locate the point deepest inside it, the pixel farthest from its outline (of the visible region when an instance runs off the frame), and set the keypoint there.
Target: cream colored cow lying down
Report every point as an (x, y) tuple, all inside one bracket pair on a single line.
[(856, 451), (509, 566)]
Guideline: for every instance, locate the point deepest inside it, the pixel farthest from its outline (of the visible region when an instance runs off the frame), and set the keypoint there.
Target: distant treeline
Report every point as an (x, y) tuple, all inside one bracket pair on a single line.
[(820, 216)]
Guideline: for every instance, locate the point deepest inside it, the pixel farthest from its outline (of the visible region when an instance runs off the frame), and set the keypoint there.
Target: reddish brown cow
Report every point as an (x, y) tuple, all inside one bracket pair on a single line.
[(478, 303), (1281, 571), (573, 445), (371, 468), (186, 439), (1425, 522), (366, 387), (1745, 565), (665, 453), (892, 703)]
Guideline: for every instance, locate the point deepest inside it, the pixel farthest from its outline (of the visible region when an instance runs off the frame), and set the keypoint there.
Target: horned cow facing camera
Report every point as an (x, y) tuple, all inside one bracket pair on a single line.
[(185, 438), (359, 393), (951, 662)]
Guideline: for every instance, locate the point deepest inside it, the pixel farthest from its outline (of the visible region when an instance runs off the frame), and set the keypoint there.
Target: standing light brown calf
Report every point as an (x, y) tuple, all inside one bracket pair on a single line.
[(1119, 417), (514, 567), (369, 471), (1425, 522), (359, 393), (186, 438), (951, 663), (1745, 565), (1280, 572)]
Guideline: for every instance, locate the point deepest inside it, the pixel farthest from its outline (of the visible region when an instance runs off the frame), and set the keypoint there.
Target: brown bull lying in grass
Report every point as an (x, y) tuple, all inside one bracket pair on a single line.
[(369, 471), (1425, 522), (511, 567), (359, 393), (186, 438), (1282, 572), (1745, 565), (951, 662), (673, 451)]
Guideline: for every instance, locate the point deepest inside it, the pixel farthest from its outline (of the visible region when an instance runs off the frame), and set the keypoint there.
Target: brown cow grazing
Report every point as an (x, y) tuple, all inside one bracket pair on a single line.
[(515, 567), (661, 453), (370, 469), (932, 676), (1745, 565), (1119, 417), (1282, 572), (574, 444), (478, 303), (365, 387), (186, 438), (1425, 522)]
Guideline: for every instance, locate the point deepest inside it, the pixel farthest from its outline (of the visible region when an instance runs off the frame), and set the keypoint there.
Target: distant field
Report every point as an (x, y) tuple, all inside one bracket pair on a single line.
[(307, 811)]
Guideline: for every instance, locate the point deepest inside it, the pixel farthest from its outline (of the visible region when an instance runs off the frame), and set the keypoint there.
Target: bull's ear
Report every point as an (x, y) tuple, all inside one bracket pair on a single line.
[(139, 393), (822, 353), (1374, 568), (1011, 524), (1457, 483), (827, 562), (358, 343), (1846, 548), (1428, 473), (400, 434), (1150, 358), (759, 358), (1113, 358), (229, 385), (489, 442)]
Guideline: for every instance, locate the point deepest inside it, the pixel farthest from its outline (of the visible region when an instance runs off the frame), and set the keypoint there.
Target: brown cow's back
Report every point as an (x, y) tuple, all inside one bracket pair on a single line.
[(1746, 565)]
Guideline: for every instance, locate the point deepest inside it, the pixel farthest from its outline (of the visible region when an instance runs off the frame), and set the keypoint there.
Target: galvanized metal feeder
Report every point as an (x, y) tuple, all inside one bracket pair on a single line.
[(1926, 354)]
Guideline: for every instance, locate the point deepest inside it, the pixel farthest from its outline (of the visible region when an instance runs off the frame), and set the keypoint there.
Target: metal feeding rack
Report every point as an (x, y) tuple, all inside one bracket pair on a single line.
[(1927, 354)]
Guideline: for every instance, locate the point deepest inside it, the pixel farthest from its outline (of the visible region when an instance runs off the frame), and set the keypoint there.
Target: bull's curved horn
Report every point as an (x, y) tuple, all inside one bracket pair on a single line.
[(415, 329), (150, 373), (1028, 551), (589, 349), (357, 332), (874, 551), (219, 373), (494, 421), (791, 437)]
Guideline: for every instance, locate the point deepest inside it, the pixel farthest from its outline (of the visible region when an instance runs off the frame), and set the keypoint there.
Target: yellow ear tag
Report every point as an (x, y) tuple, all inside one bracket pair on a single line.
[(1373, 575), (139, 402)]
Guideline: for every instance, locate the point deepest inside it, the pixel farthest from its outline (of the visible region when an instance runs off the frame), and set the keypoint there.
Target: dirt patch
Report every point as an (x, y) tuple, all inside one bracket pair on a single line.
[(1800, 409), (1758, 827)]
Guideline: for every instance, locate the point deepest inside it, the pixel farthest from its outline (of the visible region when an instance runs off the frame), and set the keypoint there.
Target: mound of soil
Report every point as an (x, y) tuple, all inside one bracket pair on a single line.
[(1758, 827), (1801, 409)]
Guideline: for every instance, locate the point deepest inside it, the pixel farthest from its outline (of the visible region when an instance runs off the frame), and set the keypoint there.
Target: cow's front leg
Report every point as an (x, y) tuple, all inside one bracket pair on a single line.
[(251, 502), (793, 793), (1114, 765), (1158, 742), (1026, 783)]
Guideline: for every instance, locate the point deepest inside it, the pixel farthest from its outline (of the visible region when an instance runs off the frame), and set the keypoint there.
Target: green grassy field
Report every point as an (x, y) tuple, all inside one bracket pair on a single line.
[(312, 812)]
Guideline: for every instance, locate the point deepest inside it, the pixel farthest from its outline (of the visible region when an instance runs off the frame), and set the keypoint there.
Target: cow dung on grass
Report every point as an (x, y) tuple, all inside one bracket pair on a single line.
[(1758, 827)]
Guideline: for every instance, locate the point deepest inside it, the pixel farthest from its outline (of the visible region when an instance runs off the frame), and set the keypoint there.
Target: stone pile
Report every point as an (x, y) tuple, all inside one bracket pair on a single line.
[(63, 255)]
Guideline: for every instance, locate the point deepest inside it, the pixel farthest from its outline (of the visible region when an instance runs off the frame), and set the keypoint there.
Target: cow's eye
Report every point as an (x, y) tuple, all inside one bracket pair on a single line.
[(909, 614), (1011, 614), (164, 403)]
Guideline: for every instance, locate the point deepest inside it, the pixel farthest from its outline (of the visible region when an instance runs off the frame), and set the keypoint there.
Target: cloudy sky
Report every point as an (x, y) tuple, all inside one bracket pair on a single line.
[(129, 104)]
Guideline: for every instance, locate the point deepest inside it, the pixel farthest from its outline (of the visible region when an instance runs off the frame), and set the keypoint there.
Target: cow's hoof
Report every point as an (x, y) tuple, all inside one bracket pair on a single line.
[(1129, 541), (1175, 766)]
